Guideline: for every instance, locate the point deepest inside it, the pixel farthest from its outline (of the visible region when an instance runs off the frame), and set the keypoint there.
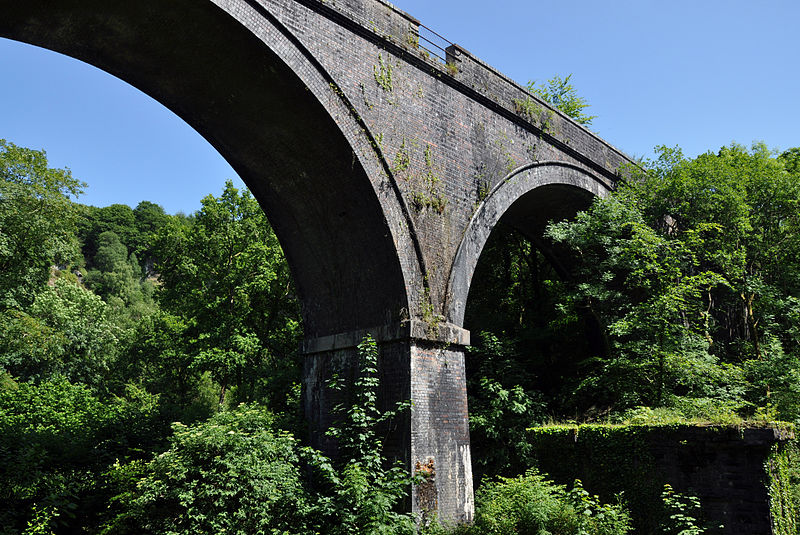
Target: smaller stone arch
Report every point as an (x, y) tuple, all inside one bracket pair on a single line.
[(528, 198)]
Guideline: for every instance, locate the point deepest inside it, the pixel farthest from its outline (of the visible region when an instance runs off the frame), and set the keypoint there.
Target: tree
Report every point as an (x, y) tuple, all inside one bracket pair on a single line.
[(57, 439), (791, 160), (158, 357), (693, 267), (37, 222), (88, 338), (647, 292), (150, 218), (116, 218), (117, 277), (562, 94), (224, 271)]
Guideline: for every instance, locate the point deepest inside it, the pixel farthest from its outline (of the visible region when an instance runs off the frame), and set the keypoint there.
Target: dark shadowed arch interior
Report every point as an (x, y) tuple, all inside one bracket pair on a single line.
[(526, 200), (531, 213), (518, 253), (526, 220), (230, 86)]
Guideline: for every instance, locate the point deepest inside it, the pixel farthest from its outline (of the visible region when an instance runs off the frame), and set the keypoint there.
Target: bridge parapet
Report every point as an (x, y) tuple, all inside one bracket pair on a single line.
[(484, 83), (405, 36)]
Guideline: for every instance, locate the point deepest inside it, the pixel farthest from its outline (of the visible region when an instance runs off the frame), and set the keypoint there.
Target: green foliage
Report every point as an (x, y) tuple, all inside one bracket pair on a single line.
[(224, 272), (562, 94), (691, 269), (783, 469), (364, 493), (37, 222), (791, 160), (135, 228), (501, 409), (117, 277), (383, 74), (673, 298), (150, 218), (56, 439), (93, 353), (237, 473), (67, 331), (29, 348), (41, 522), (93, 221), (232, 474), (531, 504), (526, 356), (685, 410), (158, 358), (431, 195), (682, 512)]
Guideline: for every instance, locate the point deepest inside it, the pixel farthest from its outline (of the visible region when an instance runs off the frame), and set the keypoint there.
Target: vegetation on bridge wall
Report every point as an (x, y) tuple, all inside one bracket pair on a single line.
[(737, 472), (783, 468)]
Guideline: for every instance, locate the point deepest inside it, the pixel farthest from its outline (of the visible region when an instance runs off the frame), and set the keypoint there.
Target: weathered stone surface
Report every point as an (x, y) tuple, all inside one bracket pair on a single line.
[(381, 168), (724, 466)]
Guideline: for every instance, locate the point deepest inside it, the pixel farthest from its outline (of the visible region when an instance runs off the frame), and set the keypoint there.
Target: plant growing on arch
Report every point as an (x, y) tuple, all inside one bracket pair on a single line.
[(364, 494), (562, 94)]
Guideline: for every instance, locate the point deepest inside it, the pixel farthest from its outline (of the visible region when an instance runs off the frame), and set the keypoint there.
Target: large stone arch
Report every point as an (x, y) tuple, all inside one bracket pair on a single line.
[(527, 199), (236, 74)]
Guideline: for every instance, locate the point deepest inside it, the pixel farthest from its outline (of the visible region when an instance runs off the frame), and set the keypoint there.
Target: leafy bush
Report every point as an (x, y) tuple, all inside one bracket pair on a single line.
[(56, 439), (231, 474), (531, 504), (682, 512), (237, 473)]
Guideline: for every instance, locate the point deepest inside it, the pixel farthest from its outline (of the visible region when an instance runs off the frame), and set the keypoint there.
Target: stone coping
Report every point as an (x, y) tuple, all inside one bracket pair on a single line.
[(435, 332)]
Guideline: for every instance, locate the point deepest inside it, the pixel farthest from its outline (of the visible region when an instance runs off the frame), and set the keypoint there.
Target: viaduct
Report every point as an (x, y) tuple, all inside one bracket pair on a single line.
[(382, 161)]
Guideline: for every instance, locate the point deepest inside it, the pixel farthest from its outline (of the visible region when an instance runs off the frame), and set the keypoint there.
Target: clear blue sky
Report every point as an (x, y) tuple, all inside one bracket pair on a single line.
[(698, 74)]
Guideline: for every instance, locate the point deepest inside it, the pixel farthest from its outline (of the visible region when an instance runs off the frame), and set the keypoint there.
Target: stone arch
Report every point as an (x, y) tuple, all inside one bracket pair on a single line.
[(233, 72), (527, 199)]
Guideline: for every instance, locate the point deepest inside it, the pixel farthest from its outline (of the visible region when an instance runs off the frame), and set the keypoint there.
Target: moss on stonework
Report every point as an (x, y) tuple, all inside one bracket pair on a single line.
[(635, 461)]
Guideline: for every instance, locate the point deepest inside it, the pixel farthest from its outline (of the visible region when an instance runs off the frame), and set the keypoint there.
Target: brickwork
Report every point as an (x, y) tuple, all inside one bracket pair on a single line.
[(439, 430), (432, 439), (723, 466), (443, 135)]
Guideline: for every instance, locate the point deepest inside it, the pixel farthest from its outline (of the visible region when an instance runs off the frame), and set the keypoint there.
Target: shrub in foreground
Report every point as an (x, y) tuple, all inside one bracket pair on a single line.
[(231, 474), (529, 504)]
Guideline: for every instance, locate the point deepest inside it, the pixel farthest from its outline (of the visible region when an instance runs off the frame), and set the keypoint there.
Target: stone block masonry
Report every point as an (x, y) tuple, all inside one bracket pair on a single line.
[(729, 468)]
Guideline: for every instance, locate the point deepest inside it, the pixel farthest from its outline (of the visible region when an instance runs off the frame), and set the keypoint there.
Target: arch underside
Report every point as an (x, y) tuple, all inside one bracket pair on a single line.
[(268, 119), (527, 200)]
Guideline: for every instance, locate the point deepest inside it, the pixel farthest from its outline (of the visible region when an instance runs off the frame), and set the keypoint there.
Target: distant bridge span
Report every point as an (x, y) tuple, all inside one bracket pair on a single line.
[(382, 168)]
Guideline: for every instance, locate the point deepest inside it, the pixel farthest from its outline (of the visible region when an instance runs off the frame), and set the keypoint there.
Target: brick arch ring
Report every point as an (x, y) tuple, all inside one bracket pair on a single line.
[(522, 181)]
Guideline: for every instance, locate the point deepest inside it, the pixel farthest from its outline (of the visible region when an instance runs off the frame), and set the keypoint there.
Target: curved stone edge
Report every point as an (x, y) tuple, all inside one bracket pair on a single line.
[(519, 182)]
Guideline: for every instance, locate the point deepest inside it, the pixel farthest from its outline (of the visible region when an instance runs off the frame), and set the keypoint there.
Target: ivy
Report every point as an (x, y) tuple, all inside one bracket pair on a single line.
[(383, 74)]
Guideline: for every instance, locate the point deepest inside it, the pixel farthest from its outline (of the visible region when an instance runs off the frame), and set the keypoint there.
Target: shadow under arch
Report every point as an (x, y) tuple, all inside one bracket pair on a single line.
[(237, 76), (527, 199)]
